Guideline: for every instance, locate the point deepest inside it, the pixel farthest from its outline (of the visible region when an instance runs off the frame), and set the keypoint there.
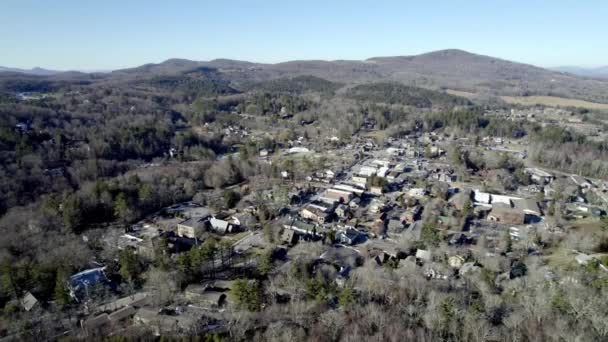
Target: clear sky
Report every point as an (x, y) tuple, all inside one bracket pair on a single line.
[(110, 34)]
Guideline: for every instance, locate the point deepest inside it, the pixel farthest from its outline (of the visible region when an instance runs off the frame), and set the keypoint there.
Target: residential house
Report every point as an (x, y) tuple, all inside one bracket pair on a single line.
[(193, 227), (289, 237), (423, 255), (222, 226), (206, 296), (122, 314), (342, 211), (337, 196), (382, 172), (83, 283), (354, 203), (302, 228), (136, 300), (395, 227), (539, 176), (367, 171), (28, 301), (456, 261), (414, 230), (349, 188), (360, 181), (481, 197), (376, 190), (97, 326), (506, 215), (376, 206), (528, 205), (417, 192), (445, 177), (349, 236), (243, 220), (411, 214), (314, 213), (581, 181)]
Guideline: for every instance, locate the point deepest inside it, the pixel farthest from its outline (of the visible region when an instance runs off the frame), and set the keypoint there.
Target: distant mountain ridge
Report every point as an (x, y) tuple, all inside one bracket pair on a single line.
[(445, 69), (34, 71), (601, 72)]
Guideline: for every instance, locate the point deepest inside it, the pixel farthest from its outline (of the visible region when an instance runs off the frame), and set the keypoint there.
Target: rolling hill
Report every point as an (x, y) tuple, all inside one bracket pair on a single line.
[(446, 69)]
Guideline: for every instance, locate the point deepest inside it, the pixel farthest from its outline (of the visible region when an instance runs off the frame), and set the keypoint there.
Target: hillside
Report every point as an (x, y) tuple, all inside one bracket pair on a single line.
[(445, 69)]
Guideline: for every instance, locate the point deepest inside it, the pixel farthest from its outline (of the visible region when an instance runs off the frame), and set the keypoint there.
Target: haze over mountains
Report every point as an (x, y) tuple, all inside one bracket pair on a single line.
[(601, 72), (445, 69)]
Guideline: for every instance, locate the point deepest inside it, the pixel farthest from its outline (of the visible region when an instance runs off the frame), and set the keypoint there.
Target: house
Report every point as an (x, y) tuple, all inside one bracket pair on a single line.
[(376, 206), (456, 261), (582, 182), (376, 190), (411, 214), (529, 206), (243, 220), (445, 177), (382, 172), (508, 200), (314, 213), (539, 176), (336, 195), (354, 203), (122, 314), (98, 325), (28, 301), (302, 228), (395, 226), (193, 227), (506, 215), (583, 259), (349, 188), (136, 300), (360, 181), (414, 230), (461, 199), (342, 211), (289, 237), (382, 251), (392, 176), (206, 296), (221, 226), (423, 255), (349, 236), (343, 257), (381, 163), (82, 283), (158, 322), (417, 192), (481, 197), (367, 171)]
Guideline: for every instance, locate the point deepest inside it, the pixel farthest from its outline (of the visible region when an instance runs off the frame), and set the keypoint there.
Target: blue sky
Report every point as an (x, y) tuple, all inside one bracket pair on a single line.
[(110, 34)]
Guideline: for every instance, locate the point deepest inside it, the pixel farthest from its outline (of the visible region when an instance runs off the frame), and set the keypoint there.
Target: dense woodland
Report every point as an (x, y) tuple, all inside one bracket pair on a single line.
[(104, 151)]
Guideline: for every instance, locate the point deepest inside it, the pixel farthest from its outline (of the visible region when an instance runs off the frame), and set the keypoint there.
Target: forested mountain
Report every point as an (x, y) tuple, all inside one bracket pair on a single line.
[(454, 69)]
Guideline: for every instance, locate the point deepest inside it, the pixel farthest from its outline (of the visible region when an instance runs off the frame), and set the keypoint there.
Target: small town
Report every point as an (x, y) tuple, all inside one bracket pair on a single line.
[(290, 171), (415, 205)]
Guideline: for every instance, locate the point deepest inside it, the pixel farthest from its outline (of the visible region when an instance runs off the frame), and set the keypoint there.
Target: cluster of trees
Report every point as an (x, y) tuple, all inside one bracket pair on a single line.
[(561, 149), (397, 93), (298, 85)]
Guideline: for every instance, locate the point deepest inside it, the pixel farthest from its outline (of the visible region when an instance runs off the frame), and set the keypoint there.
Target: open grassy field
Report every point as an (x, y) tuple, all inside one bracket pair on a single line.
[(553, 101), (461, 93)]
